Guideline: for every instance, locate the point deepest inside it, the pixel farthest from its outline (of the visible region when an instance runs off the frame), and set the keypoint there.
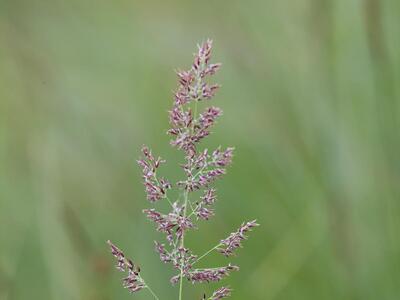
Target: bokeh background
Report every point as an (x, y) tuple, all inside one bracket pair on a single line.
[(311, 101)]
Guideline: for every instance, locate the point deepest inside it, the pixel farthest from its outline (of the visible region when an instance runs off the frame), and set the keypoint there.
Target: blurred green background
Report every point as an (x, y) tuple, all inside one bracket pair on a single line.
[(311, 102)]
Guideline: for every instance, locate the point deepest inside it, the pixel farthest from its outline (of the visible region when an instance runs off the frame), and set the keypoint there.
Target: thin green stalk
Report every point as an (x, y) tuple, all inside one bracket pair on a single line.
[(205, 254), (148, 287), (184, 216), (182, 246), (151, 291)]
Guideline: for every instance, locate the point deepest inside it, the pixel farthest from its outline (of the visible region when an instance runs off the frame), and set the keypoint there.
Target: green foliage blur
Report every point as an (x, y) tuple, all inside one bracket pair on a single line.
[(311, 100)]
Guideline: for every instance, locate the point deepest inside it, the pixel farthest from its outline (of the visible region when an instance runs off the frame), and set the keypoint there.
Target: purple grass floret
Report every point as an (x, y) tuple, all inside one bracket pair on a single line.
[(156, 188), (133, 282), (222, 292), (201, 168), (211, 274), (234, 240)]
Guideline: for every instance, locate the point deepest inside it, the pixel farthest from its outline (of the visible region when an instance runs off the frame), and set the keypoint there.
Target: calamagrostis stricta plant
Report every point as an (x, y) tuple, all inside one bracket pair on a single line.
[(195, 203)]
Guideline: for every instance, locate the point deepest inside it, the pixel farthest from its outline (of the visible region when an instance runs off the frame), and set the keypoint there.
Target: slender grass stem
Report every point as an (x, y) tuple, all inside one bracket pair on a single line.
[(184, 216), (149, 288), (207, 253), (151, 291), (183, 245)]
